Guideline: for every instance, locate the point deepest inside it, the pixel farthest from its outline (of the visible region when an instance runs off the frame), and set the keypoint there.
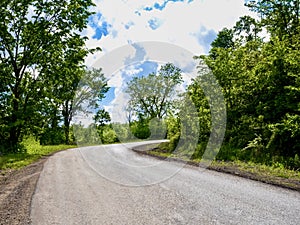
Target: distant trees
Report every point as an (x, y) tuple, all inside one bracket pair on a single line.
[(79, 94), (101, 118), (90, 90), (151, 97), (41, 52)]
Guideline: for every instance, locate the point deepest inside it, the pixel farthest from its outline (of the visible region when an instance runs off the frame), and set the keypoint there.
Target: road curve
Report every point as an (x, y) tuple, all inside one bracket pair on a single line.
[(112, 185)]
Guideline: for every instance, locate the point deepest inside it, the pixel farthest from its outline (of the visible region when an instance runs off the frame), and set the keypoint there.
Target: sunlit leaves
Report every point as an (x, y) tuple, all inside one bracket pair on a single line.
[(260, 79), (38, 41), (152, 95)]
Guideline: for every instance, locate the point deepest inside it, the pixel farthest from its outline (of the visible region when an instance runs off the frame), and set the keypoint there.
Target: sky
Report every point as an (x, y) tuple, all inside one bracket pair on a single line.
[(186, 24)]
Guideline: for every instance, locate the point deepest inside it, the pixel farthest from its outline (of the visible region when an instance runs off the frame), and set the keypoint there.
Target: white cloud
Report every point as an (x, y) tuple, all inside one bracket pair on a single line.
[(115, 80), (177, 23), (132, 70), (117, 108), (188, 25)]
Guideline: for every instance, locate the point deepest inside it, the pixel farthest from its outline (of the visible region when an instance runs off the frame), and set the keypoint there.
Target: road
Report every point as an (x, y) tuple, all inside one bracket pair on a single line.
[(113, 185)]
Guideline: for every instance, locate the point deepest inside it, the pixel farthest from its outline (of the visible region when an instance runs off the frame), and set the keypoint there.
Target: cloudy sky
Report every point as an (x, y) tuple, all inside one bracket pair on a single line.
[(189, 24)]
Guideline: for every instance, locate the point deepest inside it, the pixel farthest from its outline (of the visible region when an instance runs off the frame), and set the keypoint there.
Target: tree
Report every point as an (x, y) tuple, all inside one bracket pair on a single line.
[(280, 17), (224, 39), (247, 29), (81, 94), (36, 40), (151, 96), (101, 118), (260, 81)]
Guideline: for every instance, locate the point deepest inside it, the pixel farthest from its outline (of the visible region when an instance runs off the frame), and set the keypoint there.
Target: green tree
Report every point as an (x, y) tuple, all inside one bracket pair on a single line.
[(151, 96), (36, 38), (279, 17), (81, 94), (224, 39), (247, 29), (260, 81), (101, 119)]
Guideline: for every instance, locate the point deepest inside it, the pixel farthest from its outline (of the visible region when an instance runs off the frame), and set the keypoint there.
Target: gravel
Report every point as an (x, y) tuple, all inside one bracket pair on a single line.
[(16, 191)]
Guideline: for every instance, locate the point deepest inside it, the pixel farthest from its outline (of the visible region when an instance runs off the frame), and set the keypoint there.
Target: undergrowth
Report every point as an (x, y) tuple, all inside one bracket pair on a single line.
[(34, 151)]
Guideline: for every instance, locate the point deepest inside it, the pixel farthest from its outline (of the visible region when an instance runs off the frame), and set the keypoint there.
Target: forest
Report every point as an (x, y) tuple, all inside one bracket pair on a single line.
[(255, 62)]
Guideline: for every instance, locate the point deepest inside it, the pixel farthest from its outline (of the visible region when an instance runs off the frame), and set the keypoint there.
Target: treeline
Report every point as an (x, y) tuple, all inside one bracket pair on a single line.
[(256, 63), (108, 133), (41, 68)]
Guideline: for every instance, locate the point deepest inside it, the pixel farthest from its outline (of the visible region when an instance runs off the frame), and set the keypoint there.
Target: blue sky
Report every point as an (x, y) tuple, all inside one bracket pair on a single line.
[(190, 24)]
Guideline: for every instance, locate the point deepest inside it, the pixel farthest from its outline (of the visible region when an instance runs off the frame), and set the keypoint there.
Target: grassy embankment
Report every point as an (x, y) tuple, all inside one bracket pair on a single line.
[(34, 152)]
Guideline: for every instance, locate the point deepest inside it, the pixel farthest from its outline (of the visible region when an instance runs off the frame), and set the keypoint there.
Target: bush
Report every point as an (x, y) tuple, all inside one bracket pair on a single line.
[(52, 136), (174, 142), (109, 135)]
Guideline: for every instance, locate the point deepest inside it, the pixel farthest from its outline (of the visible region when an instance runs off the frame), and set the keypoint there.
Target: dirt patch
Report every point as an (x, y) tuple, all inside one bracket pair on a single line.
[(16, 190)]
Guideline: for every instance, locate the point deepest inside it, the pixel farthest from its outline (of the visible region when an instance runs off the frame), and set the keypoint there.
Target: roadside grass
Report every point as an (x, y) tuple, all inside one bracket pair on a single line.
[(275, 174), (34, 152), (261, 169)]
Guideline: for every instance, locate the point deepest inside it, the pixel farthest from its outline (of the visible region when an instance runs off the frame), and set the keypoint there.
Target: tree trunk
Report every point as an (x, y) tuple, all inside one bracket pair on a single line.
[(67, 114), (67, 132), (67, 128), (14, 129)]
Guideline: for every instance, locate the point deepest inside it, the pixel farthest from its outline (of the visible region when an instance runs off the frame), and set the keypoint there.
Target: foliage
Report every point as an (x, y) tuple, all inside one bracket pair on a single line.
[(101, 118), (256, 63), (34, 152), (109, 136), (152, 98), (140, 128), (151, 95), (32, 67), (52, 136), (260, 82), (81, 95), (122, 131), (86, 135)]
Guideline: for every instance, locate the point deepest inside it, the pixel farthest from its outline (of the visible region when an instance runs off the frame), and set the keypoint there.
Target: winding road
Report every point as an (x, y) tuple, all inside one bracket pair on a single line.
[(111, 184)]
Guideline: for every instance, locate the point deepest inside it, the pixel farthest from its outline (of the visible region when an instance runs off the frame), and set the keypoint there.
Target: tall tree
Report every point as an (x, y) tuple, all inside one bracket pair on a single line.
[(36, 38), (84, 93), (151, 96), (101, 118), (280, 17), (247, 29), (224, 39)]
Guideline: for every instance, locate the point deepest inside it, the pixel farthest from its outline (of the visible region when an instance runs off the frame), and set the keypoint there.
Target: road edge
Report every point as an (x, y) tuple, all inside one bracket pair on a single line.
[(17, 187), (278, 182)]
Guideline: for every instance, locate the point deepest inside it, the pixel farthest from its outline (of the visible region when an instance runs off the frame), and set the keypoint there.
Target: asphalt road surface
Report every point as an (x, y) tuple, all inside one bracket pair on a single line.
[(113, 185)]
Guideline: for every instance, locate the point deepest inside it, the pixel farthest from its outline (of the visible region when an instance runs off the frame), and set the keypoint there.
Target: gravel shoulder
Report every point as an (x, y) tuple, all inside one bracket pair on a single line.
[(16, 190)]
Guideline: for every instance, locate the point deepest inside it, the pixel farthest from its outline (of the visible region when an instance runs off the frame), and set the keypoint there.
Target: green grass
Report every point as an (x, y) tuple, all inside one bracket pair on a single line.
[(277, 169), (34, 152), (262, 170)]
